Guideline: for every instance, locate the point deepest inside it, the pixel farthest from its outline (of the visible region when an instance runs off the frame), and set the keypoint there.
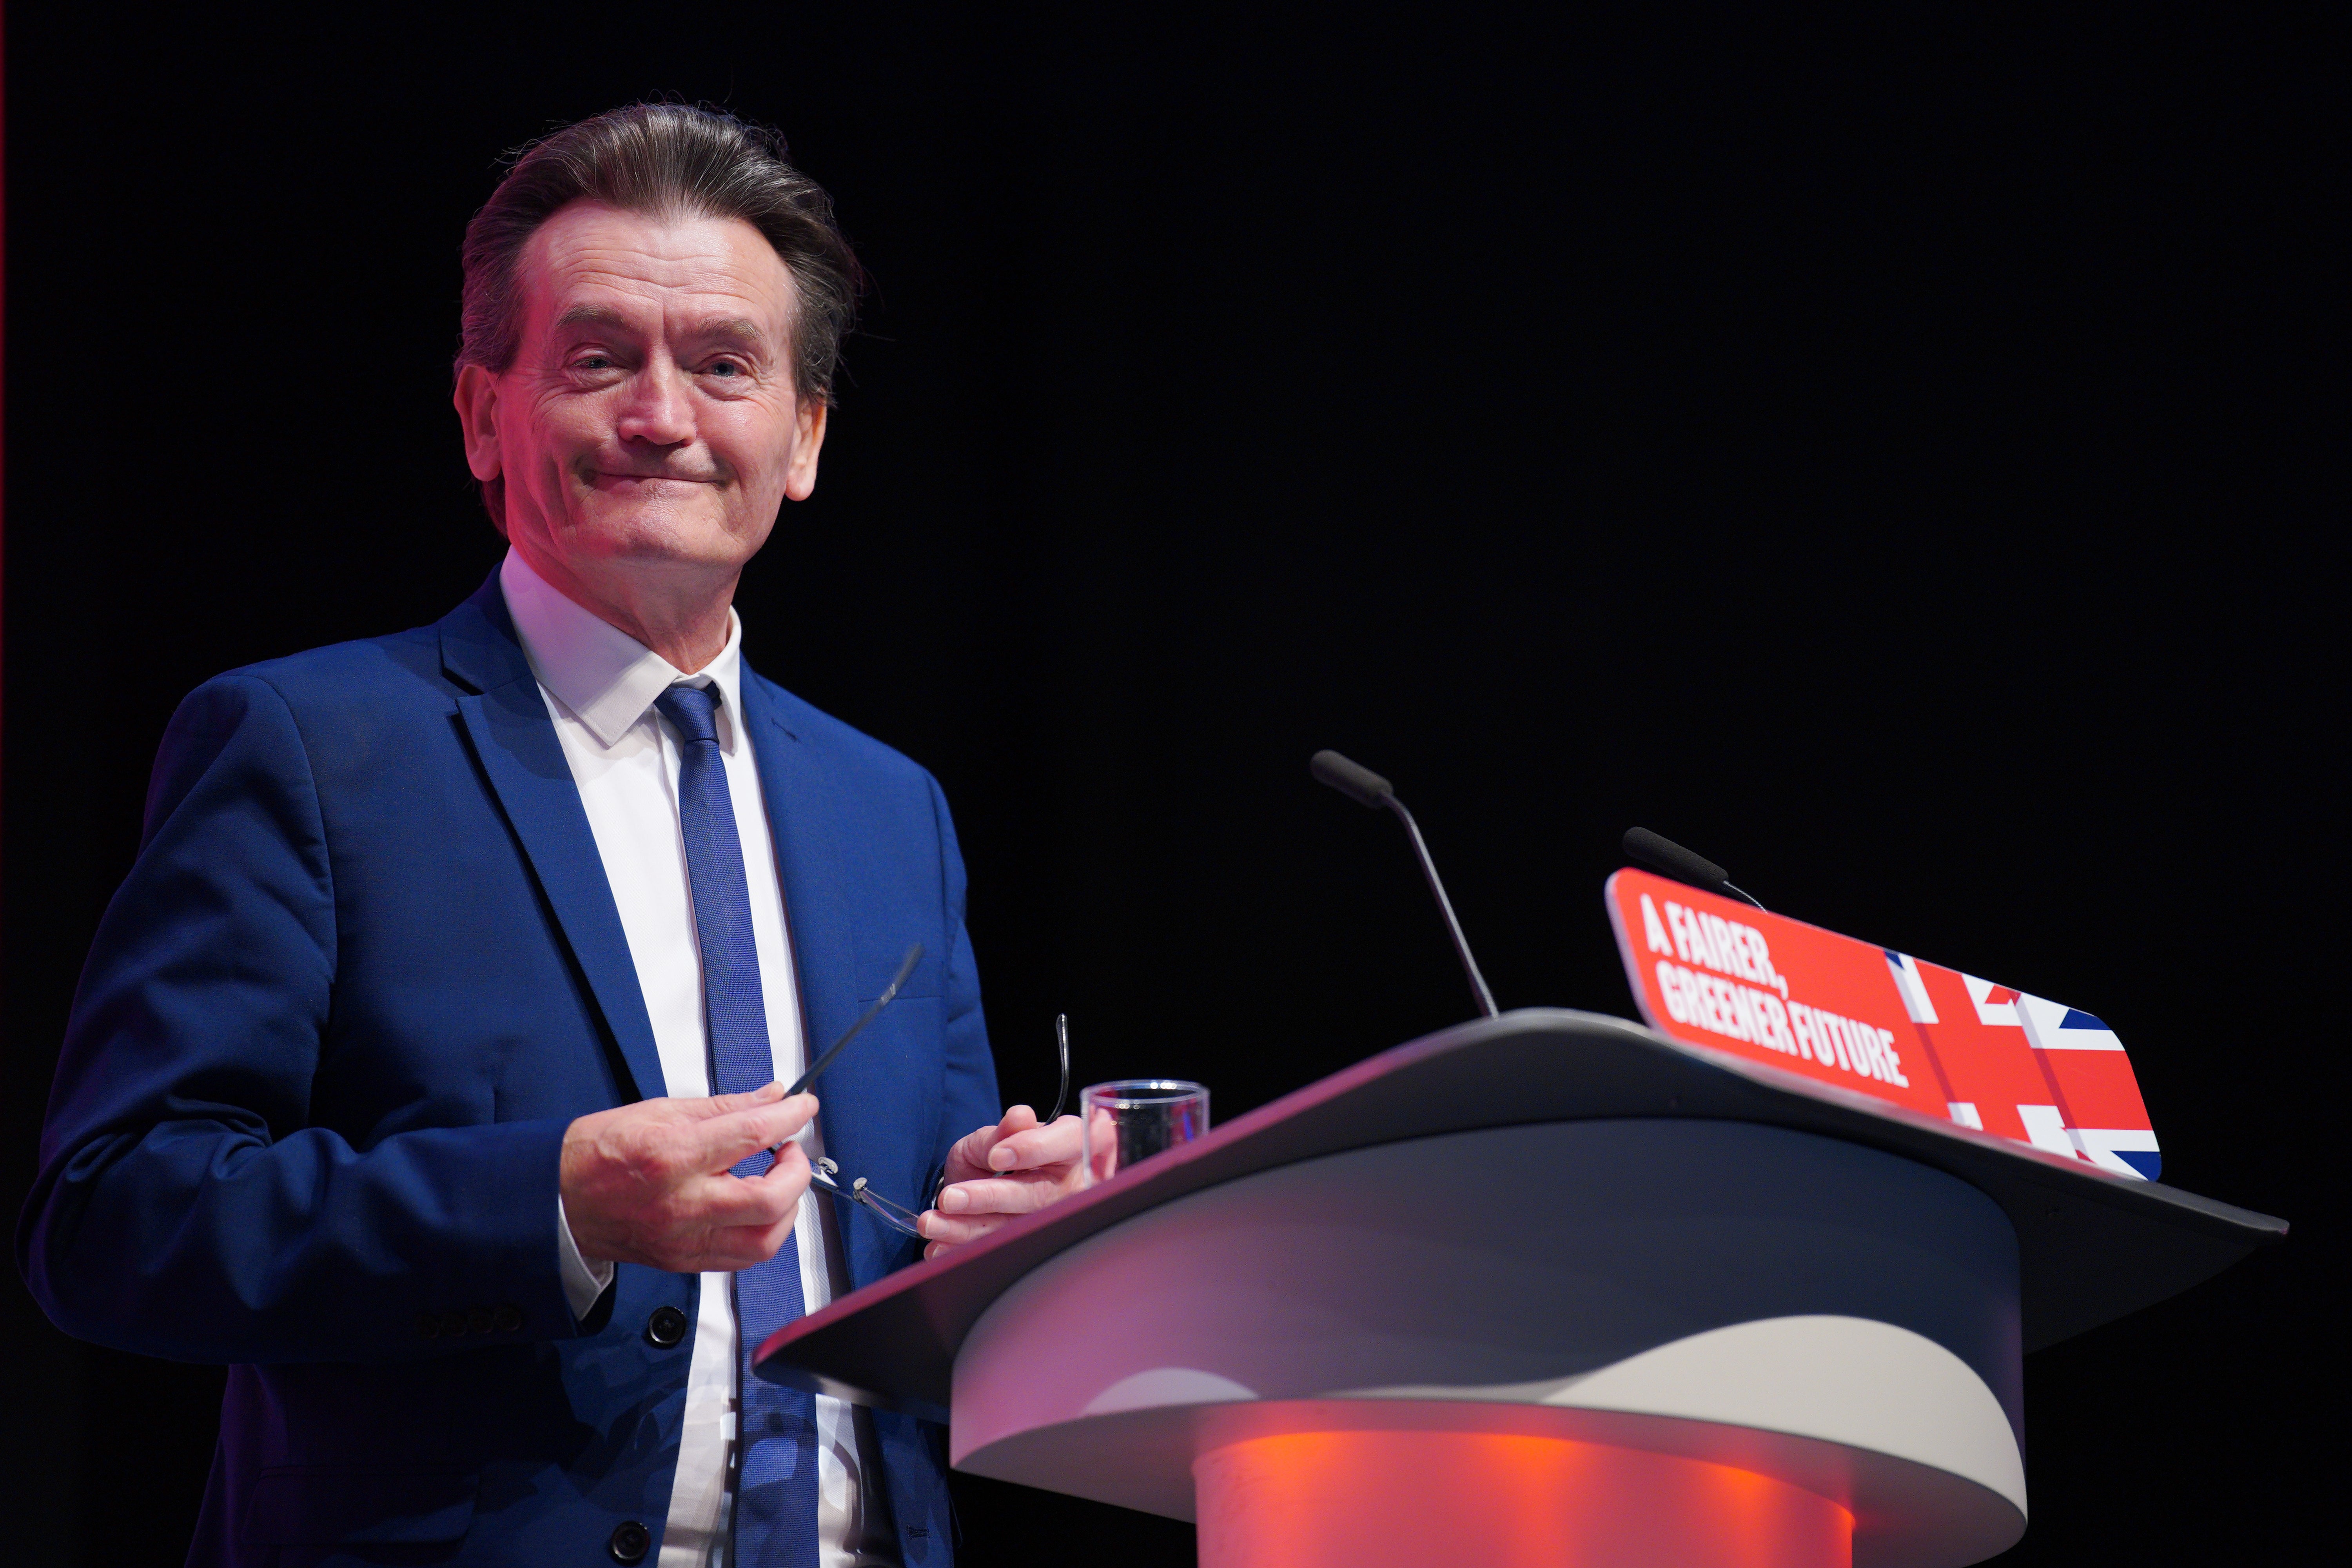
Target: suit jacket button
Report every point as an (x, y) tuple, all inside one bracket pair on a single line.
[(630, 1542), (478, 1321), (665, 1328), (430, 1325), (452, 1324), (509, 1318)]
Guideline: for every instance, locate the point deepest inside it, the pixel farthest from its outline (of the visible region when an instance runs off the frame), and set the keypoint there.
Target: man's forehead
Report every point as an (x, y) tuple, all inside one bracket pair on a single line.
[(596, 264), (588, 315)]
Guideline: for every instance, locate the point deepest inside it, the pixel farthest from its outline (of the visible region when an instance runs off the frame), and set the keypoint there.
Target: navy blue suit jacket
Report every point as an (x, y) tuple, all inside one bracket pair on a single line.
[(364, 972)]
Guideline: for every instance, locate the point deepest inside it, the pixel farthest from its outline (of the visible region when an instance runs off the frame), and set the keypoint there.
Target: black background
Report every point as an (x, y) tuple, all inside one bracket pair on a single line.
[(1885, 454)]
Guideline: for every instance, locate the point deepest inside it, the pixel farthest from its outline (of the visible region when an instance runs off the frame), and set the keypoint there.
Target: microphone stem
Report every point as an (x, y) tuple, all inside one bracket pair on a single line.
[(1446, 907)]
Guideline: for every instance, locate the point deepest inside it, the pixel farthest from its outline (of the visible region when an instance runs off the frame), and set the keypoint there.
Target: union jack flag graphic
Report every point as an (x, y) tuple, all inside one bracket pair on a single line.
[(2070, 1091)]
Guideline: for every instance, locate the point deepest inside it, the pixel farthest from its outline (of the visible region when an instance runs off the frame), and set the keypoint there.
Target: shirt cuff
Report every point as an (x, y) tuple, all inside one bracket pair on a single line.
[(583, 1281)]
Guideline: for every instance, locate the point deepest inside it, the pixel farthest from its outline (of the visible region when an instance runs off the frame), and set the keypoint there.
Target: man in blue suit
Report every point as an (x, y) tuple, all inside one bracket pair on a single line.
[(425, 1070)]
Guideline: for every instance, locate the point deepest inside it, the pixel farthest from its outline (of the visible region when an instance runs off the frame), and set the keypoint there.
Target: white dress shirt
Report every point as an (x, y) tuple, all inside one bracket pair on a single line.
[(600, 685)]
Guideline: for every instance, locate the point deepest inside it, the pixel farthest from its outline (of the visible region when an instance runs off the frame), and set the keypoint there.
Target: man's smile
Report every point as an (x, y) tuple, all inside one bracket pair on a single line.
[(603, 479)]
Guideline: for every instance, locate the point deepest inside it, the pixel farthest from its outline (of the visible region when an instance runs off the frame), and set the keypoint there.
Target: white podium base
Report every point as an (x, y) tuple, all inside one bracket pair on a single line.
[(1631, 1342)]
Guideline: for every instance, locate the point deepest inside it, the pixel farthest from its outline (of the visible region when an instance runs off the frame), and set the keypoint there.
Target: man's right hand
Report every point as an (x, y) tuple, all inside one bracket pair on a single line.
[(648, 1182)]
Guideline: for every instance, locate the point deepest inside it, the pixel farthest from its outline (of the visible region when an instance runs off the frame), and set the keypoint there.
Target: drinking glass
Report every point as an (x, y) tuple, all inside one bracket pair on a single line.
[(1133, 1118)]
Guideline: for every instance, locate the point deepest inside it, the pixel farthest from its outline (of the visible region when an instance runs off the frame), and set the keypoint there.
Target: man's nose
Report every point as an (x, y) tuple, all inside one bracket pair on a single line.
[(658, 410)]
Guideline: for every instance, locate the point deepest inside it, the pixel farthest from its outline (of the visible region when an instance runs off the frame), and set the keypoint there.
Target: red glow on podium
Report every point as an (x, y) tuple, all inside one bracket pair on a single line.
[(1363, 1500)]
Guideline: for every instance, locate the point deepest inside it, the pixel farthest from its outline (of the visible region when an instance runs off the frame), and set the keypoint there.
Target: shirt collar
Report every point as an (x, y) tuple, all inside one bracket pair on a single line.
[(605, 676)]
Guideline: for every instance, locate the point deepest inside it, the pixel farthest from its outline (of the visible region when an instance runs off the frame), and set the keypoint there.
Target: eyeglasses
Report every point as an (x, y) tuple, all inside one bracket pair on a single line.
[(897, 1217)]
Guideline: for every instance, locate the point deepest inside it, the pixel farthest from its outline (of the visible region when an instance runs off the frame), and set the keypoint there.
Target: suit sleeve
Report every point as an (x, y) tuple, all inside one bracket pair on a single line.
[(971, 1099), (186, 1206)]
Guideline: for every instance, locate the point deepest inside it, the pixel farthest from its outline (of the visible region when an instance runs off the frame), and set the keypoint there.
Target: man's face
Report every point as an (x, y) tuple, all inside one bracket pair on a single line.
[(649, 426)]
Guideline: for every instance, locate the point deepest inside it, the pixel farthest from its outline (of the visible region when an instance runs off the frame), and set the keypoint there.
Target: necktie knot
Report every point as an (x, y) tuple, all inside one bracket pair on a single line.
[(692, 710)]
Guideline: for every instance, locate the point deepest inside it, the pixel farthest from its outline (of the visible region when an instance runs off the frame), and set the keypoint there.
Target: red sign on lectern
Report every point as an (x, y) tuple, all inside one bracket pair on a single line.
[(1726, 976)]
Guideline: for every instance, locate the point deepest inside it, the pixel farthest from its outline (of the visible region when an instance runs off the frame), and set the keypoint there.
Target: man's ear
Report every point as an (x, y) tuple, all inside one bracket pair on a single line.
[(476, 397), (800, 479)]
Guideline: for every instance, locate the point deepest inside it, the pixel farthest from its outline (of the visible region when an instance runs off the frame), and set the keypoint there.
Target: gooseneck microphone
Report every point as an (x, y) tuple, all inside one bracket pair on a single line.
[(1365, 787), (1669, 859)]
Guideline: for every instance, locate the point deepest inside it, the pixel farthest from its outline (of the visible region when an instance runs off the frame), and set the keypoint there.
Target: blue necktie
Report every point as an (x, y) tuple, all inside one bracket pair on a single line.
[(774, 1522)]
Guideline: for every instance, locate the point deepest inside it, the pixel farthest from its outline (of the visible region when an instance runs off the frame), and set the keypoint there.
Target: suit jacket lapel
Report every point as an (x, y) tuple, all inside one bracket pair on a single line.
[(874, 1109), (515, 740), (817, 898)]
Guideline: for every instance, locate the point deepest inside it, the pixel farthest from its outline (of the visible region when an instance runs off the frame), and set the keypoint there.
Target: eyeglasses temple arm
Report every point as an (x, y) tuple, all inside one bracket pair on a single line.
[(1062, 1039), (914, 956)]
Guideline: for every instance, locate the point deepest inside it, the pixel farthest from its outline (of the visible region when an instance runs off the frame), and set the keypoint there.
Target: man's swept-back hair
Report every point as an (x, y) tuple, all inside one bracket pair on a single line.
[(663, 159)]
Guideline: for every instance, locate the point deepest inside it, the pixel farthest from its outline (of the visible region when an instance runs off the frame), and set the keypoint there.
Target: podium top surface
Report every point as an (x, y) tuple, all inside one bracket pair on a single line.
[(2092, 1246)]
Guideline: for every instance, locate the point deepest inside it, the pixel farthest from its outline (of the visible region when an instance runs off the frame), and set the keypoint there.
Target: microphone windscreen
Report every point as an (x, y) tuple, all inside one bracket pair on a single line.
[(1357, 782), (1670, 859)]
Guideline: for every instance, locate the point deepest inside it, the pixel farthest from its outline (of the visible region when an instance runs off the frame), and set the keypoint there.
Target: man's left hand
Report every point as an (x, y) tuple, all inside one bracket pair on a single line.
[(996, 1173)]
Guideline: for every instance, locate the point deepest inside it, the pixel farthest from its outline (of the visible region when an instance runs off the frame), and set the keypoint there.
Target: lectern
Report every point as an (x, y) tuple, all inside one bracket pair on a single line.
[(1540, 1289)]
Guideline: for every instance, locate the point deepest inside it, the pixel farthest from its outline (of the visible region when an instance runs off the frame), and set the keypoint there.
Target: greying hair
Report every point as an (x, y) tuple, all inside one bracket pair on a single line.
[(662, 159)]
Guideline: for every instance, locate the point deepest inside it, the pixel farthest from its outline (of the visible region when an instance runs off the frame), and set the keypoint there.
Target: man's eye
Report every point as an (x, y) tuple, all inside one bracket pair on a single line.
[(595, 361), (725, 367)]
